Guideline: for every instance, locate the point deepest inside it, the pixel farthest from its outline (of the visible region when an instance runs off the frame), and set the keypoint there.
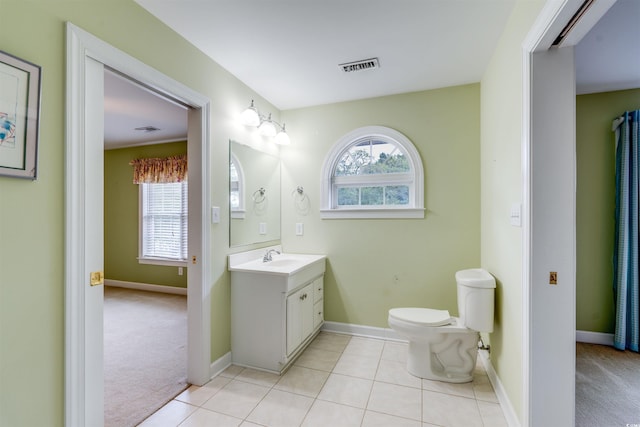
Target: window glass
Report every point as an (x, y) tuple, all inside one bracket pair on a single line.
[(372, 157), (164, 221), (373, 172), (234, 186)]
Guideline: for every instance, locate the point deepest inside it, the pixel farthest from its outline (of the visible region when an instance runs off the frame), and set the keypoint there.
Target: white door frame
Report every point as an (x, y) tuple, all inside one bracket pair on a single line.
[(80, 391), (549, 202)]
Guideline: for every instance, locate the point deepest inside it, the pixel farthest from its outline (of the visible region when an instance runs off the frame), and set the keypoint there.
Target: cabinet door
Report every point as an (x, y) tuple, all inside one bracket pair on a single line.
[(318, 313), (299, 317), (306, 312)]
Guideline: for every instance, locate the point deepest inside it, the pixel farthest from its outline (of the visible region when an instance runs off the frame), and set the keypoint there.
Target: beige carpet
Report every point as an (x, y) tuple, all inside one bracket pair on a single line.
[(607, 386), (145, 355)]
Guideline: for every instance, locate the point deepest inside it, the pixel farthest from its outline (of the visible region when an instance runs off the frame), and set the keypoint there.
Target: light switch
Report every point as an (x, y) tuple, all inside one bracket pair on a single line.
[(263, 228), (515, 217), (299, 229), (215, 214)]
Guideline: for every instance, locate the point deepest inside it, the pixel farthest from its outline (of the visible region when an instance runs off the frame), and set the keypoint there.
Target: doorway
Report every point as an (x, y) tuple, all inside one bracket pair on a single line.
[(87, 57), (145, 302)]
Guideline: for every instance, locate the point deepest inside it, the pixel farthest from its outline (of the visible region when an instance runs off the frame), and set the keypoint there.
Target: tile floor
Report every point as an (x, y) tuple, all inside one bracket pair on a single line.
[(339, 380)]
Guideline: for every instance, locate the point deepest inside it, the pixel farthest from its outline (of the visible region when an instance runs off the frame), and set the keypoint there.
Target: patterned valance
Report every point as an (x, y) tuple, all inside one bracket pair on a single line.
[(156, 170)]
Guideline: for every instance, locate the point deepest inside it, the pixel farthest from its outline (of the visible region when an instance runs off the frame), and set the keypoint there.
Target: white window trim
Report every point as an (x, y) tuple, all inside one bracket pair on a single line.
[(240, 211), (416, 210), (152, 260)]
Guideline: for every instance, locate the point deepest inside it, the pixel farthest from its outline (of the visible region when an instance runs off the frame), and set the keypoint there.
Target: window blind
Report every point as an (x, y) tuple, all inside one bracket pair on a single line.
[(164, 220)]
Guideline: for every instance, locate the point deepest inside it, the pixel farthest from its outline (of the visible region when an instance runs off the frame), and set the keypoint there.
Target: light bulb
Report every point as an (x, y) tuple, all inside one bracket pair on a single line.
[(267, 128), (282, 138), (250, 116)]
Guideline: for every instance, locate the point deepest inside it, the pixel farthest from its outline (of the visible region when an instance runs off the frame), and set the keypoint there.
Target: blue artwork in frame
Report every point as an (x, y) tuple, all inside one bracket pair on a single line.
[(19, 116)]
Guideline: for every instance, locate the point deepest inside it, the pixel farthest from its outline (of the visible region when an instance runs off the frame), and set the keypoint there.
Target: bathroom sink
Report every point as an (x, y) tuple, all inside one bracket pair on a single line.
[(282, 264)]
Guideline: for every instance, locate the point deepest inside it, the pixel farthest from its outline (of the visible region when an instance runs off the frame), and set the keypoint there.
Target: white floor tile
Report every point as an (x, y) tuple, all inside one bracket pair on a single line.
[(330, 342), (492, 414), (231, 371), (323, 414), (236, 399), (357, 366), (195, 395), (395, 351), (206, 418), (447, 410), (396, 400), (254, 376), (317, 358), (305, 381), (393, 372), (364, 347), (483, 389), (170, 415), (346, 390), (377, 419), (460, 389), (338, 381), (281, 409)]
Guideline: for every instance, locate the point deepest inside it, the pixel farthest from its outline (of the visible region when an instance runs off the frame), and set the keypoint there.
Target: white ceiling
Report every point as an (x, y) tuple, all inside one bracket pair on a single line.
[(289, 51)]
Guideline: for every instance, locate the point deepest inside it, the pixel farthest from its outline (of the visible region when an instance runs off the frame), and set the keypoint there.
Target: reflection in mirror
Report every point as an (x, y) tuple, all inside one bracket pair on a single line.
[(254, 195)]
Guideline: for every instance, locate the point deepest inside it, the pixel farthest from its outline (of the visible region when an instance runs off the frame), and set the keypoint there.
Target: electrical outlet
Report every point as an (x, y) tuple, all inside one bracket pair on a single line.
[(180, 271), (553, 277), (299, 229)]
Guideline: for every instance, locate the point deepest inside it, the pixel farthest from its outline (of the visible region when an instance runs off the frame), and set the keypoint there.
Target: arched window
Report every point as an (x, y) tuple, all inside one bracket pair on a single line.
[(373, 172), (236, 188)]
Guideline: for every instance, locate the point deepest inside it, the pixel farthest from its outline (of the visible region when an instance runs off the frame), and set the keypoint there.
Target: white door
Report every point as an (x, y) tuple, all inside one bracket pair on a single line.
[(94, 243)]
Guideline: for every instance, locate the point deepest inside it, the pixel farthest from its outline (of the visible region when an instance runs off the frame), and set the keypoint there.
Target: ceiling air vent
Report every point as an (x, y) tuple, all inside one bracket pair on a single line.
[(365, 64), (147, 129)]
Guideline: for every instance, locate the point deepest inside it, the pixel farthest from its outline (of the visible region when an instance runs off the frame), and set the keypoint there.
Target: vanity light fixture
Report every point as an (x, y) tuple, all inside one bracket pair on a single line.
[(267, 126)]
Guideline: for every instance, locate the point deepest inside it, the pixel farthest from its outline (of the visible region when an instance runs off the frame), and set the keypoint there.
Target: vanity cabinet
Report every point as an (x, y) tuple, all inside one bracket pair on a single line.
[(304, 313), (274, 316)]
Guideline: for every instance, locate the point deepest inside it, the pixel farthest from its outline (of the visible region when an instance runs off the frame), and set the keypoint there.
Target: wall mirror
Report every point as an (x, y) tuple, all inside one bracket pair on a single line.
[(254, 195)]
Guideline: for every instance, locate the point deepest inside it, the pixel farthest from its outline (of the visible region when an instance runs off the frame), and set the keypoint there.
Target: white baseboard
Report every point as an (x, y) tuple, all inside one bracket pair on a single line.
[(594, 338), (220, 364), (362, 331), (507, 408), (145, 287)]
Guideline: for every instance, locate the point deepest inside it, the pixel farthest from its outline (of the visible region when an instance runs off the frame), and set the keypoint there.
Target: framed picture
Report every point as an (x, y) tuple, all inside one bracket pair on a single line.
[(19, 116)]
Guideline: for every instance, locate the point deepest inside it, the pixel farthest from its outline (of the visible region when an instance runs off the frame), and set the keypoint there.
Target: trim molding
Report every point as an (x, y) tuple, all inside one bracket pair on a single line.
[(507, 408), (83, 392), (362, 331), (594, 338), (220, 364), (165, 289)]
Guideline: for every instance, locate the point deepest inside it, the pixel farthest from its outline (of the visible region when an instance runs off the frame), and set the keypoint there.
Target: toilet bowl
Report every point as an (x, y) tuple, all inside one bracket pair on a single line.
[(442, 347)]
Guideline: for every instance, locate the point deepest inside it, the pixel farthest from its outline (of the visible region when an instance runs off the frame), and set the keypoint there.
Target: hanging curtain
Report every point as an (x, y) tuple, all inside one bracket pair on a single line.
[(158, 171), (626, 251)]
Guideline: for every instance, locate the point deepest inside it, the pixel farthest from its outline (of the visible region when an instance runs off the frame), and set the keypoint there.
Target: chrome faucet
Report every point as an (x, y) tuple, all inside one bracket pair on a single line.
[(267, 256)]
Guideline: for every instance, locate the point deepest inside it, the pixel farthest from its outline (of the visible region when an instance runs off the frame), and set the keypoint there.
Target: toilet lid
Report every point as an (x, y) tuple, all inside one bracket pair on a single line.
[(423, 316)]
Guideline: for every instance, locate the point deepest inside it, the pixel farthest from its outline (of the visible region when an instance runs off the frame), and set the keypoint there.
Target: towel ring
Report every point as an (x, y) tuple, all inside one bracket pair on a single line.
[(259, 195)]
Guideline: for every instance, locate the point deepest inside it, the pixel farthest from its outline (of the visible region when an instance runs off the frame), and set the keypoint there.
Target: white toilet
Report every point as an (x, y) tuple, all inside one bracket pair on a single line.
[(442, 347)]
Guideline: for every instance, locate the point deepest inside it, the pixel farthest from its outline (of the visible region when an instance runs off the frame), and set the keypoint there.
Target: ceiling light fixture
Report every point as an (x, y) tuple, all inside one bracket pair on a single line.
[(265, 124)]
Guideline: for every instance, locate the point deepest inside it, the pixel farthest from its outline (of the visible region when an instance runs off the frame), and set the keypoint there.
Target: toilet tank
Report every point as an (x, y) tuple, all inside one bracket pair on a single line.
[(476, 289)]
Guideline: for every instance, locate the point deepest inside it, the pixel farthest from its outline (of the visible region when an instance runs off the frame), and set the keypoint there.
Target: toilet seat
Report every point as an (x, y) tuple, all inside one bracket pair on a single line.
[(422, 316)]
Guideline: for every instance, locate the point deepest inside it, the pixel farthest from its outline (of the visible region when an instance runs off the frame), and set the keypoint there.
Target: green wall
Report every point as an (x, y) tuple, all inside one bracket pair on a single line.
[(502, 181), (374, 265), (32, 218), (121, 218), (595, 216)]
